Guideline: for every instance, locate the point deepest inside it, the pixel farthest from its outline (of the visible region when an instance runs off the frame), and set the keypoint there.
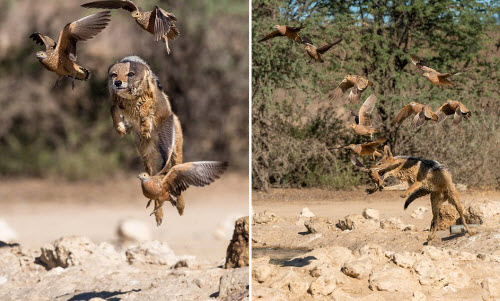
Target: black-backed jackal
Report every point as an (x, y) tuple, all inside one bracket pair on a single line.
[(424, 177)]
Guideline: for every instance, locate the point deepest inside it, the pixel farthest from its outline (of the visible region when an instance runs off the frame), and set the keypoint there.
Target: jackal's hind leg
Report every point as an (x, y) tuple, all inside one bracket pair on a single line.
[(413, 188), (453, 198), (436, 202)]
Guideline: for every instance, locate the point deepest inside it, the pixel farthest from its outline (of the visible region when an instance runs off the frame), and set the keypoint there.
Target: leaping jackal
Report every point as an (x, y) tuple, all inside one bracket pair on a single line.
[(424, 177)]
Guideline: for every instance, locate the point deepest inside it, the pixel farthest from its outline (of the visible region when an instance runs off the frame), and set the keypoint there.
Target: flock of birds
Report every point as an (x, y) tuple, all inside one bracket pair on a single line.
[(358, 84), (60, 57)]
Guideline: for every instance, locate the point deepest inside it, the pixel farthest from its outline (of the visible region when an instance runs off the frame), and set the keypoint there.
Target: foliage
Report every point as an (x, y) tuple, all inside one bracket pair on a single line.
[(293, 121)]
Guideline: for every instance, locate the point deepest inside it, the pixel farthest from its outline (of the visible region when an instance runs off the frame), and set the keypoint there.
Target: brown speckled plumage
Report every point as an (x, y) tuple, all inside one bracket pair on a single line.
[(422, 114), (284, 31), (315, 53), (358, 82), (453, 107), (60, 57), (157, 21)]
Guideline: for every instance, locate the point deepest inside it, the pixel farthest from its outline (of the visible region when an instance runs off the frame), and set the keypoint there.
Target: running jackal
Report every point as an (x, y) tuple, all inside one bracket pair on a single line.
[(424, 177)]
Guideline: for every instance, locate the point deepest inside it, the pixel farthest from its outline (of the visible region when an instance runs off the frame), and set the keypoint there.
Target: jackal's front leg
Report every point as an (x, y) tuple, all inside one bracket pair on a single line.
[(413, 188), (118, 122)]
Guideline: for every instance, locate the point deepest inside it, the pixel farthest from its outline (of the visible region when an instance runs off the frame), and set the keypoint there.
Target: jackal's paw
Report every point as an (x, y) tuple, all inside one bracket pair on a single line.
[(472, 232), (120, 129), (404, 195)]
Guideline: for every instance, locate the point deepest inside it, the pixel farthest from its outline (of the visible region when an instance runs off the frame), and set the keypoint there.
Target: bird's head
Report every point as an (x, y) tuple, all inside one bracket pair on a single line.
[(276, 27), (426, 74), (352, 125), (136, 14), (143, 176), (413, 103), (41, 55), (351, 146)]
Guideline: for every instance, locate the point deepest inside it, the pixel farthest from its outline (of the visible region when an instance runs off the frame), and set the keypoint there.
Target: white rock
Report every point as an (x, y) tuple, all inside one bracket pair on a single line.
[(435, 253), (224, 229), (67, 251), (264, 217), (492, 286), (419, 212), (426, 271), (133, 230), (261, 272), (152, 252), (370, 213), (392, 223), (392, 280), (234, 280), (360, 268), (372, 251), (418, 296), (404, 260), (304, 215), (355, 221), (322, 286), (3, 279), (7, 234), (484, 212)]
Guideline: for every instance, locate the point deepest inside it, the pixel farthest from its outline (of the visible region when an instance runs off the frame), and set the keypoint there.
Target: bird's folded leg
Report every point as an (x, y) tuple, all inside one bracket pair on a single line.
[(57, 81), (166, 45), (73, 82), (149, 203)]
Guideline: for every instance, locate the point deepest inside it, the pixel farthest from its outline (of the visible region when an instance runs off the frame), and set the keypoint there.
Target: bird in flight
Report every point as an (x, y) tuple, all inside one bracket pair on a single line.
[(168, 183), (365, 149), (158, 21), (432, 75), (315, 53), (363, 125), (422, 114), (357, 82), (60, 57), (284, 31), (453, 107)]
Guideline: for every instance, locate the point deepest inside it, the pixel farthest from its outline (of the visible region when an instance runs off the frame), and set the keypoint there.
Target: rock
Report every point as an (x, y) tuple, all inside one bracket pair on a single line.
[(322, 286), (297, 286), (359, 268), (453, 276), (152, 252), (419, 212), (264, 217), (426, 271), (67, 251), (261, 272), (483, 212), (7, 234), (304, 215), (418, 296), (355, 221), (392, 223), (237, 254), (133, 230), (404, 260), (447, 217), (461, 187), (319, 225), (491, 286), (288, 280), (235, 281), (392, 280), (372, 251), (373, 214), (436, 254)]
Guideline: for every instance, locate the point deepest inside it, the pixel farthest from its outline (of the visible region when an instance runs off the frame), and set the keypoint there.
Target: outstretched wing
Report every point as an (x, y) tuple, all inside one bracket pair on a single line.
[(166, 141), (43, 40), (444, 110), (292, 28), (421, 64), (376, 142), (307, 40), (325, 48), (199, 174), (403, 114), (429, 114), (163, 22), (112, 4), (81, 30), (366, 110), (271, 35), (342, 88)]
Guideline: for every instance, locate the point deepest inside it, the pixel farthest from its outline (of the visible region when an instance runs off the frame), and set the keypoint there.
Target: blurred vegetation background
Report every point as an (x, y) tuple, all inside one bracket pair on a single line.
[(294, 122), (47, 131)]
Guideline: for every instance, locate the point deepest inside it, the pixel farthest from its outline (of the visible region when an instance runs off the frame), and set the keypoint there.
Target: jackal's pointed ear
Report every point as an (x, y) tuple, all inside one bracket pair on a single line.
[(387, 152)]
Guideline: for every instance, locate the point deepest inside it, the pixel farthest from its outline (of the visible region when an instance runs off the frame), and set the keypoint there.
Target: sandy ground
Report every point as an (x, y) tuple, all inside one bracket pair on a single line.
[(337, 204), (41, 211)]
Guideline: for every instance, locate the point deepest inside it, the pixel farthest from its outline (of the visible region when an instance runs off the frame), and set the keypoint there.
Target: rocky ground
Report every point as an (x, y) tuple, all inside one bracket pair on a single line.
[(349, 246), (96, 241)]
